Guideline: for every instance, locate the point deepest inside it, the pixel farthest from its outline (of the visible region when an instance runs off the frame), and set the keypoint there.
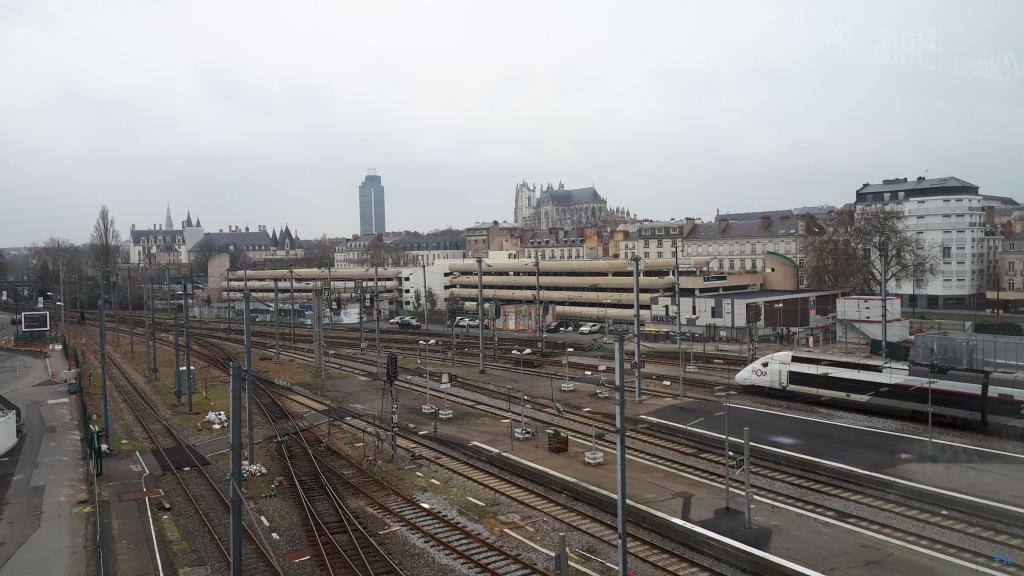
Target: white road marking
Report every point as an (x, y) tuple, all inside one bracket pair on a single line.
[(922, 438), (846, 467)]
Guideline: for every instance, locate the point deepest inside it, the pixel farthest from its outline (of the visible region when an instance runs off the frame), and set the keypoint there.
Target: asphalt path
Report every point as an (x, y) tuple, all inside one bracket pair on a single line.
[(961, 468)]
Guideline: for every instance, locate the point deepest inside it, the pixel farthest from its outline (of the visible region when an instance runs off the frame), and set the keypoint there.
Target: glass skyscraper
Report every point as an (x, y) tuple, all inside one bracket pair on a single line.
[(371, 205)]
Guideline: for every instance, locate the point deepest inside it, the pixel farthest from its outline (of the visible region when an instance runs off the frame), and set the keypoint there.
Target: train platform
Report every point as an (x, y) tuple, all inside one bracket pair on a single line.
[(840, 547), (977, 472), (128, 536), (45, 513)]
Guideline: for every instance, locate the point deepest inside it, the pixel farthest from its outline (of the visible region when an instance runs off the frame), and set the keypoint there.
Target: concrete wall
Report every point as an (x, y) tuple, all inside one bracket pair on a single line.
[(8, 431), (217, 272)]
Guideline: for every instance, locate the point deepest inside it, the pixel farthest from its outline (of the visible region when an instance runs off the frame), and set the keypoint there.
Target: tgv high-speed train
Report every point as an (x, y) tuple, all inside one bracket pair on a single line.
[(868, 383)]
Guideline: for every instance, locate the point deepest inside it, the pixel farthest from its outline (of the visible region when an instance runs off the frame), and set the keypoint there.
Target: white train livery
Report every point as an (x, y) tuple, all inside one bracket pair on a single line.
[(956, 395)]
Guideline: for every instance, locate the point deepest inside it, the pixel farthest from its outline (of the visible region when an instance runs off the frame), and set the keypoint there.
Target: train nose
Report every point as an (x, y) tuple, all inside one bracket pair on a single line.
[(743, 377)]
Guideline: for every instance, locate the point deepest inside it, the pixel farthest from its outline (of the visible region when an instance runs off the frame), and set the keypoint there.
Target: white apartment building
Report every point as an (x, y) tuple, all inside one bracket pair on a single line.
[(947, 213)]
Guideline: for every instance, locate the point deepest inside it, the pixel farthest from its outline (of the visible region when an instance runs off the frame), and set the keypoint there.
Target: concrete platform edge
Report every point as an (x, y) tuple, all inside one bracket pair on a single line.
[(937, 496), (729, 551)]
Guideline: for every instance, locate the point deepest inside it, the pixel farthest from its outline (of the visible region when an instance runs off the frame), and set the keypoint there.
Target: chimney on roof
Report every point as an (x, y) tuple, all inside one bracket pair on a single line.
[(221, 230), (161, 226), (690, 224), (920, 178), (133, 227), (766, 221), (246, 228)]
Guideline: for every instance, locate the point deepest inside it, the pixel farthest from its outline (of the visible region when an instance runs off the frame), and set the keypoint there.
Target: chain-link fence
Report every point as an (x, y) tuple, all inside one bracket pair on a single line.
[(969, 350)]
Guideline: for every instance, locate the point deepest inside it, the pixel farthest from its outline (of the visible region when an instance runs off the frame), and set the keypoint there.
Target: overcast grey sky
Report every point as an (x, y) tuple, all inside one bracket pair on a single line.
[(261, 113)]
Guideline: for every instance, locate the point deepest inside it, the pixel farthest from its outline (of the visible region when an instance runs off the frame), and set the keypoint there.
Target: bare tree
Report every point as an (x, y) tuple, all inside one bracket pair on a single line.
[(417, 300), (430, 298), (105, 243), (856, 251)]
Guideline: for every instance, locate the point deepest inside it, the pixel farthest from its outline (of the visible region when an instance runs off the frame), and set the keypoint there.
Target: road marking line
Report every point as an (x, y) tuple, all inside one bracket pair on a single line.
[(847, 467), (922, 438)]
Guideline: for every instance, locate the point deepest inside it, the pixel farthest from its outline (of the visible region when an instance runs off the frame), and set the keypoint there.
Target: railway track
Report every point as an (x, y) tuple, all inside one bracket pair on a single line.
[(667, 452), (330, 484), (810, 495), (211, 505)]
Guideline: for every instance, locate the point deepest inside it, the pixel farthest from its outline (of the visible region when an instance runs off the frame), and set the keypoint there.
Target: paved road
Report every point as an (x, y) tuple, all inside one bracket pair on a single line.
[(42, 526), (986, 474)]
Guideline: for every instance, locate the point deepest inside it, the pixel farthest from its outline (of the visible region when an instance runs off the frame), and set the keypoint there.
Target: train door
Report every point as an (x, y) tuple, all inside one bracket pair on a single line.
[(780, 375)]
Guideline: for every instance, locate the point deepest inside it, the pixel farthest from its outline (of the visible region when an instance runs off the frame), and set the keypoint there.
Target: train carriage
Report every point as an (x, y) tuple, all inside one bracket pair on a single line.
[(872, 384)]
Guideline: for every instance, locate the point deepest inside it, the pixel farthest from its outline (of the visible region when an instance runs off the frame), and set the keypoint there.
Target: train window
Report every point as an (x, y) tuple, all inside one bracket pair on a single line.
[(765, 363)]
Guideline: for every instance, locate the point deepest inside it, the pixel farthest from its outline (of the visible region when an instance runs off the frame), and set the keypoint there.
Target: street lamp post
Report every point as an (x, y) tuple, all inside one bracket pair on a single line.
[(726, 394), (778, 307)]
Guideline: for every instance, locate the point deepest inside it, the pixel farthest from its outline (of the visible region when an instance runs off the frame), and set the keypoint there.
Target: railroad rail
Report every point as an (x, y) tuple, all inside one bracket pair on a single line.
[(312, 470), (210, 503)]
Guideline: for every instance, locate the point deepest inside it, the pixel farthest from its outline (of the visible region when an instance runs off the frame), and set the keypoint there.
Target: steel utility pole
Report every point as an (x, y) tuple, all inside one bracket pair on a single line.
[(376, 314), (152, 326), (236, 469), (250, 453), (620, 454), (131, 317), (746, 472), (147, 294), (636, 322), (540, 316), (426, 312), (277, 327), (186, 288), (117, 309), (63, 301), (107, 424), (885, 304), (480, 307), (291, 315), (177, 360), (679, 334)]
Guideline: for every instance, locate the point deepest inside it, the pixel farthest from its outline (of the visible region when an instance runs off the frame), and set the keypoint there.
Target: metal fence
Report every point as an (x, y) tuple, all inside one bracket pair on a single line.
[(969, 350)]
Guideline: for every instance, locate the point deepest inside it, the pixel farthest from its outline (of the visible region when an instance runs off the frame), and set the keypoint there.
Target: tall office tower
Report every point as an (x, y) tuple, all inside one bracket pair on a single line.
[(371, 205)]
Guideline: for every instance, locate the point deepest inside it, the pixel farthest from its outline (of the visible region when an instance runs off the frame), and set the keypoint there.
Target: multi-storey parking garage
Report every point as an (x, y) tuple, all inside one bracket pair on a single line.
[(298, 285), (595, 290)]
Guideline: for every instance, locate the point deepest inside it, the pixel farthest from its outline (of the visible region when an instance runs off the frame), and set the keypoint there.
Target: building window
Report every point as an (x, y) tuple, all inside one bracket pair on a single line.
[(1011, 266), (947, 252), (647, 255), (1011, 284), (659, 254), (732, 264), (1011, 247)]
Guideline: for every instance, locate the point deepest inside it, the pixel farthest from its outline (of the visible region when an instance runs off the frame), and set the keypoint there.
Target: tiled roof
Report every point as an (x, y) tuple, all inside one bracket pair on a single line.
[(899, 184)]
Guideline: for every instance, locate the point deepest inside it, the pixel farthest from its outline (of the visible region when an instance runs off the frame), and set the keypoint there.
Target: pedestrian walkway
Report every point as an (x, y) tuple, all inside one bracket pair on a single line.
[(126, 519), (45, 506)]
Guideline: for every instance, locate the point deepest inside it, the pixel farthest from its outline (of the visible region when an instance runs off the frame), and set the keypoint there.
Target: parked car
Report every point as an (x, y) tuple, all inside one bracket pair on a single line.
[(558, 326), (394, 321), (472, 323), (409, 323), (590, 328)]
